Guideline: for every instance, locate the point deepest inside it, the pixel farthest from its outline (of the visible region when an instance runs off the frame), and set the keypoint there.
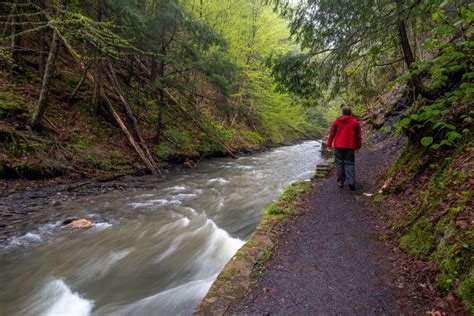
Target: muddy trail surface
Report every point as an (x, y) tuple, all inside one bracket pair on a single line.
[(331, 261)]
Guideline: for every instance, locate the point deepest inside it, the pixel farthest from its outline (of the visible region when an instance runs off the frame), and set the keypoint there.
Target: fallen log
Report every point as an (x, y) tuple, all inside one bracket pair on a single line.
[(149, 162), (130, 116), (150, 165)]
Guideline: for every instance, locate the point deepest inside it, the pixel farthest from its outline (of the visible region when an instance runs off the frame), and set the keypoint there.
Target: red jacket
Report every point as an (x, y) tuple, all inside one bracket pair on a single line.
[(345, 133)]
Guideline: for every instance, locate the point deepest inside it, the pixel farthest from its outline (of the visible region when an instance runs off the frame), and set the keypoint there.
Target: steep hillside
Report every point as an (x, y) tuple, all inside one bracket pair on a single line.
[(110, 88), (427, 200)]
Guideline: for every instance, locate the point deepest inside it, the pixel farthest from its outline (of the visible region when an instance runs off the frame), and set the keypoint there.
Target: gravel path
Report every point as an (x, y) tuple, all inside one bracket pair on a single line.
[(331, 262)]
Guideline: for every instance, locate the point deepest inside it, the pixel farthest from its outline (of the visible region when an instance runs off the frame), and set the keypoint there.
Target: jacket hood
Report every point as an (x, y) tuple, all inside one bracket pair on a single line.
[(345, 118)]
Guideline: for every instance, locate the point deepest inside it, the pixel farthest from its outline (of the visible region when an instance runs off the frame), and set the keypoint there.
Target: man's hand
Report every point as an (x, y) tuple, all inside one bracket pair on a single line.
[(329, 149)]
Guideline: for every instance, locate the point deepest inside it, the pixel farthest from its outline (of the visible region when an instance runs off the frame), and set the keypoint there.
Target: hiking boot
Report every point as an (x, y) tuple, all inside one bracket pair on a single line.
[(340, 184), (352, 187)]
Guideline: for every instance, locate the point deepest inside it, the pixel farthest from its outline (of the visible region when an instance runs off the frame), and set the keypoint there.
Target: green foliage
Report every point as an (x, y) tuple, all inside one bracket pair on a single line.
[(209, 56), (378, 198), (251, 137), (434, 124), (118, 157), (294, 73), (426, 141), (254, 33), (434, 228), (466, 291), (10, 104), (163, 151), (286, 204), (450, 253), (219, 131), (6, 55), (17, 149), (418, 242), (182, 141), (338, 40), (273, 209), (179, 144)]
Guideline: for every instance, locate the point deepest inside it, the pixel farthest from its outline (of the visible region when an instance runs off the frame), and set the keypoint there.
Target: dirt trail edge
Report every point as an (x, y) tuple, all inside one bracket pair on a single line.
[(329, 260)]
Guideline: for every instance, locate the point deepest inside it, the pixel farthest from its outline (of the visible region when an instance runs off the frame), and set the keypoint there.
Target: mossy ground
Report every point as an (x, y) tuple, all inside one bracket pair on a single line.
[(438, 224)]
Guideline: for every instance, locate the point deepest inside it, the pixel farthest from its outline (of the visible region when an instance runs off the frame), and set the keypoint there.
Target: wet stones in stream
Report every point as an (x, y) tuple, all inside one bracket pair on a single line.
[(21, 211)]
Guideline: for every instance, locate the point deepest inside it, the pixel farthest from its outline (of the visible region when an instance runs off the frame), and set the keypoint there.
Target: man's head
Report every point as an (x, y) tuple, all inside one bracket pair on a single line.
[(346, 110)]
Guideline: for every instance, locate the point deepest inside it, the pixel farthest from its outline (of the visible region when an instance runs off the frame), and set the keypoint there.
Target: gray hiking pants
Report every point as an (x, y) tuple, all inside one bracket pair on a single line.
[(345, 165)]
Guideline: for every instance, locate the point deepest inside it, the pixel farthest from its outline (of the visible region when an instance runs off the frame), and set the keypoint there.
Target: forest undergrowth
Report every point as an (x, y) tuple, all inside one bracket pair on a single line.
[(105, 88)]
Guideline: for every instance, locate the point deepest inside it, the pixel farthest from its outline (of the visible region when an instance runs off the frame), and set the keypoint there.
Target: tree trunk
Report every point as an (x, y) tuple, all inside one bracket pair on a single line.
[(81, 81), (48, 71), (143, 155), (16, 29), (154, 70), (410, 59), (43, 54), (161, 103), (254, 33), (159, 124), (97, 79), (128, 80), (97, 69), (132, 120), (38, 115), (161, 73)]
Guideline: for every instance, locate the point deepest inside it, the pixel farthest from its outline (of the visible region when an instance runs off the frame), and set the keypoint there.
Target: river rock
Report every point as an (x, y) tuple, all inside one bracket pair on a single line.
[(81, 223), (78, 223), (190, 164)]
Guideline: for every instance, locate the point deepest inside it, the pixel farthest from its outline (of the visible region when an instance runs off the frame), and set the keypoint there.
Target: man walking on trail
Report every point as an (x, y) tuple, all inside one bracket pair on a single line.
[(346, 135)]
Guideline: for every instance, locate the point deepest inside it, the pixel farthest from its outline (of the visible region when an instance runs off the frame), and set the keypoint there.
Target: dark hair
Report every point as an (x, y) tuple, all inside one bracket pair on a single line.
[(346, 110)]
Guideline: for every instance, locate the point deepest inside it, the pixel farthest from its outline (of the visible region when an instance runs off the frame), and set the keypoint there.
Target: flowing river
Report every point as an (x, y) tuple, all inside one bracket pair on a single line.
[(151, 252)]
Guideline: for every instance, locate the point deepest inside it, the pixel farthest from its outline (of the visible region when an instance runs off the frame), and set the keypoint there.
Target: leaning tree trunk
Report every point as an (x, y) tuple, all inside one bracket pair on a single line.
[(417, 81), (16, 29), (97, 64), (132, 120), (38, 115), (43, 54), (146, 158), (159, 124)]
